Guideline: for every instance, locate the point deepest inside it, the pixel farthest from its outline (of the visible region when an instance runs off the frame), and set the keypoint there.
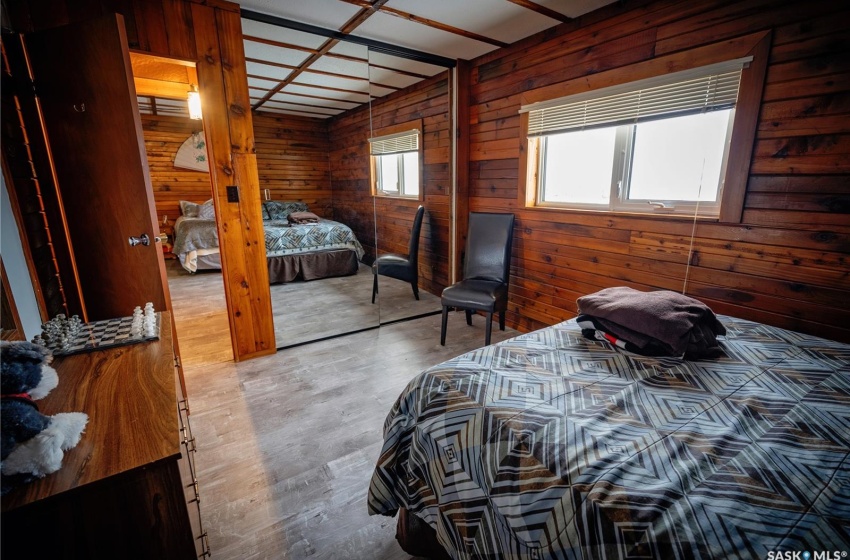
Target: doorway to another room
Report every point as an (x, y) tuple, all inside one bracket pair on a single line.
[(179, 168)]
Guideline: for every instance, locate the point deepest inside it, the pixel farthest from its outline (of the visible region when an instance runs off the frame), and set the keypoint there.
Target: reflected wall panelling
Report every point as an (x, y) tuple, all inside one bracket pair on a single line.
[(427, 100)]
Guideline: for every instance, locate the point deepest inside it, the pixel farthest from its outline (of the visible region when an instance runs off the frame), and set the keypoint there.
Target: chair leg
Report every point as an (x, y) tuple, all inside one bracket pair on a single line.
[(501, 320), (489, 329), (415, 290), (374, 287), (445, 323), (469, 317)]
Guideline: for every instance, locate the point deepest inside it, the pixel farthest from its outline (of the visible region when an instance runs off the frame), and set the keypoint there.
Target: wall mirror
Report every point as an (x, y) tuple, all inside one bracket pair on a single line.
[(317, 101), (320, 240), (410, 152)]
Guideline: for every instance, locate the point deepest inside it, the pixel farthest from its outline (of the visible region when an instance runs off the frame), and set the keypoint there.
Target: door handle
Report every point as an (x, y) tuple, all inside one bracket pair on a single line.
[(142, 240)]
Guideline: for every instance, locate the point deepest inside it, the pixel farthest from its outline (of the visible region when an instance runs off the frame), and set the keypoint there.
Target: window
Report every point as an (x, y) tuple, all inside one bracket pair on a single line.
[(395, 164), (658, 145)]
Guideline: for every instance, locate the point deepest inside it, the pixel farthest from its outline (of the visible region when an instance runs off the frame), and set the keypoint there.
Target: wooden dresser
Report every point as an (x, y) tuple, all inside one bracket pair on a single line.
[(128, 490)]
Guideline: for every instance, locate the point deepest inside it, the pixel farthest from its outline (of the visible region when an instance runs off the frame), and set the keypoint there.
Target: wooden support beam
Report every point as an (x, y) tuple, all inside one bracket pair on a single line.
[(230, 141), (542, 10)]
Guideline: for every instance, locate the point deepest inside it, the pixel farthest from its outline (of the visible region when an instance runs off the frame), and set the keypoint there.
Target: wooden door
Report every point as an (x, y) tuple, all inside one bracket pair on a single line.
[(84, 86)]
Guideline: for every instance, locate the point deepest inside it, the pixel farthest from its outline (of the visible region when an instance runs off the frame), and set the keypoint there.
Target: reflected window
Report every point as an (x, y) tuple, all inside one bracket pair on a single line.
[(396, 164)]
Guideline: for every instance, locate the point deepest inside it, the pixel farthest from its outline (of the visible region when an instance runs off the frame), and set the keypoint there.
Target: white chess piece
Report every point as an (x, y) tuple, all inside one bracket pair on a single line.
[(150, 326), (136, 326)]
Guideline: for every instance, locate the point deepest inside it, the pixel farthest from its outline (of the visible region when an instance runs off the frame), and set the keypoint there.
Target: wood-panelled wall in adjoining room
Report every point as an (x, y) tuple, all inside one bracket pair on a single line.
[(292, 159), (163, 137), (427, 101), (787, 263)]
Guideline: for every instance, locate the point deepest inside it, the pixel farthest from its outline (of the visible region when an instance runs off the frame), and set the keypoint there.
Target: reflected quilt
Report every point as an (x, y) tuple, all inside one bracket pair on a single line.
[(193, 234), (283, 239), (550, 445)]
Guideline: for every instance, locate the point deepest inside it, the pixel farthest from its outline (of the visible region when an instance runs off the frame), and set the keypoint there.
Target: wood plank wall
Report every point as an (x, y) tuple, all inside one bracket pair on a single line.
[(786, 264), (429, 101), (292, 158), (163, 137)]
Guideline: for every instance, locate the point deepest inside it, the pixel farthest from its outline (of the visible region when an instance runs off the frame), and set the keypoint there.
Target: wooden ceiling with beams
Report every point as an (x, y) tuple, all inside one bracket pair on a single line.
[(291, 71), (311, 59)]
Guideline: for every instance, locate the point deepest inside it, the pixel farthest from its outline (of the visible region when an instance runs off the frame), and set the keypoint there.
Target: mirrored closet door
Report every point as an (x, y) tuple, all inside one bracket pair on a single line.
[(319, 234), (338, 192), (411, 151)]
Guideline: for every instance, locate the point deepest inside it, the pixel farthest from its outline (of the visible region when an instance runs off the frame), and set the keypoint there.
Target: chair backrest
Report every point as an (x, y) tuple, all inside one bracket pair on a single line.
[(488, 247), (413, 248)]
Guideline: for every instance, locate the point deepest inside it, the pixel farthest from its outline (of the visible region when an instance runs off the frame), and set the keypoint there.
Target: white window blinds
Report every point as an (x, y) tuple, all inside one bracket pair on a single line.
[(400, 142), (703, 89)]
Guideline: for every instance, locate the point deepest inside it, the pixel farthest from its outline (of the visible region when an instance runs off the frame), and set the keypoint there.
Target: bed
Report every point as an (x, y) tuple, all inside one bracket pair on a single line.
[(552, 445), (307, 251)]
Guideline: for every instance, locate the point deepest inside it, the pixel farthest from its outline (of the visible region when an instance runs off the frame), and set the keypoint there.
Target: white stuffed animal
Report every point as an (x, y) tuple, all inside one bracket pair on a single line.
[(32, 444)]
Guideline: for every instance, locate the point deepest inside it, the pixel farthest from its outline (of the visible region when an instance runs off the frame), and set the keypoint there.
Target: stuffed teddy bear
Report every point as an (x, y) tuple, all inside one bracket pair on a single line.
[(31, 444)]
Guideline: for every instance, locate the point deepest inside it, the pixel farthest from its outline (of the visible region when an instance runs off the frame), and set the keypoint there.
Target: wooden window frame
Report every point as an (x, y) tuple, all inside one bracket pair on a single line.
[(373, 174), (745, 121)]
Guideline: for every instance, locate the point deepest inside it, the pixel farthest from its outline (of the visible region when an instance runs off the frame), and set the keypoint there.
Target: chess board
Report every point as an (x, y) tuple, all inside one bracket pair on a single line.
[(100, 335)]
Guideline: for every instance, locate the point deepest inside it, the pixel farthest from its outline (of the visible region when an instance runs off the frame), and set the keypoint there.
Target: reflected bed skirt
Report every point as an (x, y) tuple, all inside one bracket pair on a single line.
[(312, 266), (286, 268)]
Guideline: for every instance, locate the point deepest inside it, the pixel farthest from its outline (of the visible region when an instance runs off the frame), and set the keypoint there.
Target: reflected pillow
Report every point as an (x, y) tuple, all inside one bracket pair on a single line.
[(194, 210), (277, 210), (189, 209), (206, 211)]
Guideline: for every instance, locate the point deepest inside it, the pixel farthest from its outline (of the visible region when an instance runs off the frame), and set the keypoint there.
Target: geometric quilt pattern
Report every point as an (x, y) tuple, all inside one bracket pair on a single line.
[(283, 239), (550, 445)]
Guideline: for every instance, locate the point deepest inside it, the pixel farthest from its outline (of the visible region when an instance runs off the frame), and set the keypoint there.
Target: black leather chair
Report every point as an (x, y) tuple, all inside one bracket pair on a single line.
[(486, 271), (400, 267)]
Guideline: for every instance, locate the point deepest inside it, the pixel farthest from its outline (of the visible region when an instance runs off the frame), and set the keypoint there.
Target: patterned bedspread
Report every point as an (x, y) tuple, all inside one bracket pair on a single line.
[(192, 234), (550, 445), (282, 239)]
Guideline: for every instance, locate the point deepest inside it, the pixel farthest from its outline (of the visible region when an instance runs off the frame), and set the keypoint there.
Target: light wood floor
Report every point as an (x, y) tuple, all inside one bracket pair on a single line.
[(302, 311), (287, 443)]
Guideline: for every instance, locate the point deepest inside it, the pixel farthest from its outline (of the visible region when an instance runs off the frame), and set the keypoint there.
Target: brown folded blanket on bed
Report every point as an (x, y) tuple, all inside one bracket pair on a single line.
[(303, 218), (652, 320)]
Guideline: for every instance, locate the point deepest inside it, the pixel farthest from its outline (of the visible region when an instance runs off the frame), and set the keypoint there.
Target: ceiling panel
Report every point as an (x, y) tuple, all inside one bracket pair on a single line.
[(340, 66), (281, 34), (284, 96), (395, 79), (328, 93), (333, 82), (573, 8), (275, 54), (496, 19), (397, 31), (330, 14), (265, 70), (390, 61), (312, 110)]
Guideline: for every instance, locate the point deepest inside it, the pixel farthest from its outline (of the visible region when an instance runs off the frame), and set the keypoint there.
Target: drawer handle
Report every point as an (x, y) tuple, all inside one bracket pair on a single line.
[(194, 486), (205, 545), (190, 445)]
